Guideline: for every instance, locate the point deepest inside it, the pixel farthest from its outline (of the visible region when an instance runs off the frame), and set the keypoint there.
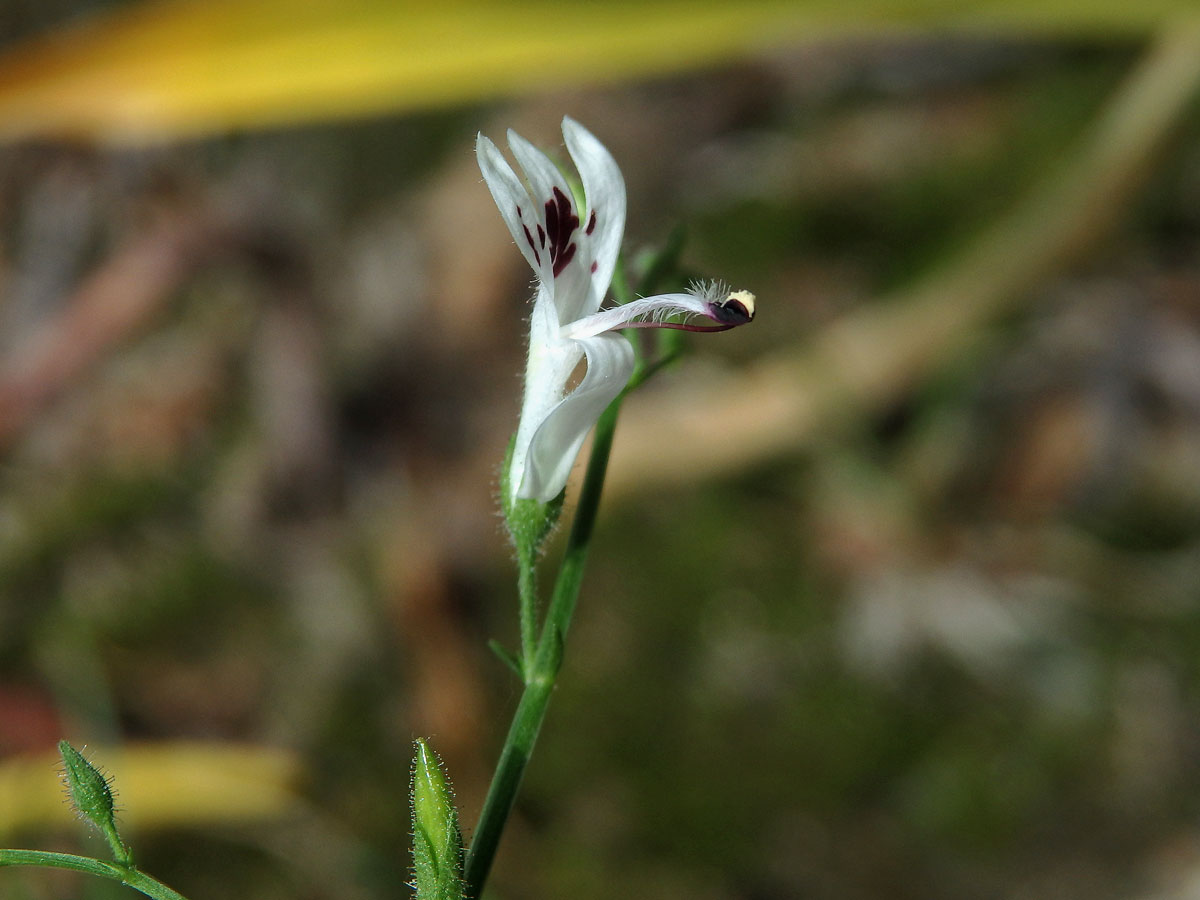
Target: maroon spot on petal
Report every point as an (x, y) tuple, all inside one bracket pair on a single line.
[(551, 219), (595, 266), (591, 226), (564, 259), (518, 212), (532, 246), (541, 235), (561, 223)]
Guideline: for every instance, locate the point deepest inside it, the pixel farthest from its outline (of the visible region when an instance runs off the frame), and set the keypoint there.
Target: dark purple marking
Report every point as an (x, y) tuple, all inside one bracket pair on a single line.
[(564, 260), (561, 223), (591, 226), (529, 237), (542, 235), (552, 217), (518, 212), (595, 266)]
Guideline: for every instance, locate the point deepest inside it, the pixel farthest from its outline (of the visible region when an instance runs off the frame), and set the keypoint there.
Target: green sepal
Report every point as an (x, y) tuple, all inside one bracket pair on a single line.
[(529, 522), (92, 796), (437, 840)]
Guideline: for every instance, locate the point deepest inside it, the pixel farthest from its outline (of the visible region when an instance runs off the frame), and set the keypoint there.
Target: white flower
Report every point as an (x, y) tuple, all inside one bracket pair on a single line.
[(573, 253)]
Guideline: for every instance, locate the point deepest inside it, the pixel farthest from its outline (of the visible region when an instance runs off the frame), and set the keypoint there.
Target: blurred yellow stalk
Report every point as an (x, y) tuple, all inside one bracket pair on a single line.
[(165, 70), (156, 784)]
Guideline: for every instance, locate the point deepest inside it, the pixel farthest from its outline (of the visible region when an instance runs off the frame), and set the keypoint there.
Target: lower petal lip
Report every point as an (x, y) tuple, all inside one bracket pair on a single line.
[(556, 441)]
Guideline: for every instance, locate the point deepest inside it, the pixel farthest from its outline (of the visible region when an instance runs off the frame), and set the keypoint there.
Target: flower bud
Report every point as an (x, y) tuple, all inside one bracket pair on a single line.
[(91, 795), (437, 841)]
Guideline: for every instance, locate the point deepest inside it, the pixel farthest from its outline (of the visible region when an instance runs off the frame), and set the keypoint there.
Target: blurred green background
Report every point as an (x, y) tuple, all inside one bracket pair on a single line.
[(895, 593)]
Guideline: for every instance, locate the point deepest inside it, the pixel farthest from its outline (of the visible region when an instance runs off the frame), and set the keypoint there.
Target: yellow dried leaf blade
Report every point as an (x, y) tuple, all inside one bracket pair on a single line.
[(157, 784), (162, 70)]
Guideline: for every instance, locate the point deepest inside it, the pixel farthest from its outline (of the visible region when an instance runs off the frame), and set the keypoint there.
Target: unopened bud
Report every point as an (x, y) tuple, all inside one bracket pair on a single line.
[(92, 796), (437, 841)]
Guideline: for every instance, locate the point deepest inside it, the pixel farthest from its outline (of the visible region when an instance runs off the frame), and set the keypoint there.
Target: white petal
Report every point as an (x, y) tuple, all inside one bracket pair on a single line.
[(519, 212), (558, 438), (544, 176), (604, 191), (572, 271), (654, 308), (551, 361)]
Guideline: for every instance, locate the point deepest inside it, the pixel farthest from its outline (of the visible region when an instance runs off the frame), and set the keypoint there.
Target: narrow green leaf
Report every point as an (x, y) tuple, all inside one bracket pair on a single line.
[(506, 656)]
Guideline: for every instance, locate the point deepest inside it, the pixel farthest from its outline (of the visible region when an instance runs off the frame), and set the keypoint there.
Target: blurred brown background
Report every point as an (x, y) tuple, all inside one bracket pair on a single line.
[(894, 595)]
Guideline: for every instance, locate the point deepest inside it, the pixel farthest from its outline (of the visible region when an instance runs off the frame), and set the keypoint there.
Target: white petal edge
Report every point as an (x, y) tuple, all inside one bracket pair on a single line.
[(510, 195), (573, 285), (558, 439), (544, 176), (548, 367), (604, 191)]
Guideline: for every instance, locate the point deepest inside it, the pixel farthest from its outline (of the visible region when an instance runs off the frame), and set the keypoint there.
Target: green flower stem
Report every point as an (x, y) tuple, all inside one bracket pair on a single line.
[(541, 669), (126, 875), (527, 589), (527, 722), (644, 371), (539, 681)]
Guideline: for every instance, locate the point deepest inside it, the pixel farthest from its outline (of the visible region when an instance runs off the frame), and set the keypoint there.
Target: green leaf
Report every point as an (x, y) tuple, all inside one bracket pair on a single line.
[(506, 656)]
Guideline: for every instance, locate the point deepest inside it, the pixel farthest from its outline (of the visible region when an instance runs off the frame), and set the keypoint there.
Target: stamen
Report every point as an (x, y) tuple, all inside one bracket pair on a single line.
[(736, 309), (731, 308), (715, 302)]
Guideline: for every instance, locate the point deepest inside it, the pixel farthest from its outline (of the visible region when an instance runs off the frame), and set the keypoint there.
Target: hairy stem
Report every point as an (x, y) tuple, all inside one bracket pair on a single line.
[(540, 677), (126, 875), (527, 590)]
